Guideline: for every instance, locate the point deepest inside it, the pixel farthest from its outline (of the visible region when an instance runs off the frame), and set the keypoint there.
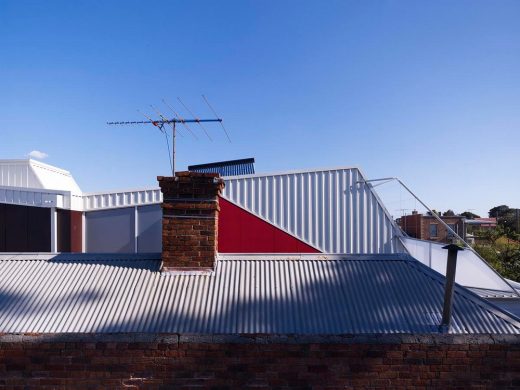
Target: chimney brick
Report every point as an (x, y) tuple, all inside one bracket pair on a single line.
[(190, 220)]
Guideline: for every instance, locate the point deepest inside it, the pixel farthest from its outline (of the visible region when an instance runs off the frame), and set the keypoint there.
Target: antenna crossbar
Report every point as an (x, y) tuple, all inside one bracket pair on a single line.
[(164, 121), (167, 120)]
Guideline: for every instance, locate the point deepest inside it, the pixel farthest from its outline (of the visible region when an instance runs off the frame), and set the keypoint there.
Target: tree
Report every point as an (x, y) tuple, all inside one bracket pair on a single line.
[(449, 213), (501, 249), (498, 211), (490, 236), (507, 217), (510, 220), (510, 263), (469, 215)]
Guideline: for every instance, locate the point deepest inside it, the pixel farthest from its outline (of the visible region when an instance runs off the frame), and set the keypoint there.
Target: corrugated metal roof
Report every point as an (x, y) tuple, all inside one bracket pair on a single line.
[(331, 209), (303, 294), (245, 166)]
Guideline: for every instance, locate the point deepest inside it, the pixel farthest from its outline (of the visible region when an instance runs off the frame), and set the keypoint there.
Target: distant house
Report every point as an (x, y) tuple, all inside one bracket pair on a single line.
[(481, 224), (427, 227)]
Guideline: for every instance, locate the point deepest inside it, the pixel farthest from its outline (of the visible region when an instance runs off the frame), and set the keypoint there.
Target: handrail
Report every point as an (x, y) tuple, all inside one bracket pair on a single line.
[(436, 216), (433, 213)]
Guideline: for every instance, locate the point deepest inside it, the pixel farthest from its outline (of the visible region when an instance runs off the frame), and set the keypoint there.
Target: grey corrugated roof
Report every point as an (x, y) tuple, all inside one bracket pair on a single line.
[(312, 294)]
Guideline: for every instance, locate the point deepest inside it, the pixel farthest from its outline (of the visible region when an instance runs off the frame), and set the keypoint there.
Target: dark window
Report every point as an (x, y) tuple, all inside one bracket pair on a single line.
[(433, 230), (452, 226)]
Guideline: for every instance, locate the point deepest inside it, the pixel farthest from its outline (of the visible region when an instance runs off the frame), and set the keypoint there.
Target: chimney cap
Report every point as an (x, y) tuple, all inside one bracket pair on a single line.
[(187, 174)]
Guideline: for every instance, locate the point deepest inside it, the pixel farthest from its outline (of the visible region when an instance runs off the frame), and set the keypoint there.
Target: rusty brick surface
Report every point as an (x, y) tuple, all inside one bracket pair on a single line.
[(175, 361)]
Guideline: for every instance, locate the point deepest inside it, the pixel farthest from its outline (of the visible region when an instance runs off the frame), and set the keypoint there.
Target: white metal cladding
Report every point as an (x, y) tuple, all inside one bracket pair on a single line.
[(327, 209), (37, 175), (116, 199), (315, 294), (86, 202), (18, 173), (33, 197)]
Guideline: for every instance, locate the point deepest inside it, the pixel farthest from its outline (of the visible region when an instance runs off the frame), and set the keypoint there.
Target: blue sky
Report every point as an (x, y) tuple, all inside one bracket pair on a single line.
[(426, 91)]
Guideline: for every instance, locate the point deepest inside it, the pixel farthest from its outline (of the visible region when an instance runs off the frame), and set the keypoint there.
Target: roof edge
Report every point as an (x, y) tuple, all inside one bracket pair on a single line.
[(262, 338), (291, 172)]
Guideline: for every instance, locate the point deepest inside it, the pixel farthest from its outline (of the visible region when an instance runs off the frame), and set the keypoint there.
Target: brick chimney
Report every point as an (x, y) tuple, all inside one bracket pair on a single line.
[(190, 221)]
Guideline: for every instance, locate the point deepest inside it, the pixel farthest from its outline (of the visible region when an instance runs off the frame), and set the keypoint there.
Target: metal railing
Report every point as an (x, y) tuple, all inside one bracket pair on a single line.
[(438, 218)]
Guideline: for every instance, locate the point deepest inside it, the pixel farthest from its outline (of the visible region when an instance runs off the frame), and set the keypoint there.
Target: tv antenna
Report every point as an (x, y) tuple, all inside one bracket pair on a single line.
[(165, 121)]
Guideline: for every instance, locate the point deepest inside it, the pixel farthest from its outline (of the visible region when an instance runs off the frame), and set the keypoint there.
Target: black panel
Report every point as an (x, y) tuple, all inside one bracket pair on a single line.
[(15, 228), (25, 229), (2, 227), (38, 229)]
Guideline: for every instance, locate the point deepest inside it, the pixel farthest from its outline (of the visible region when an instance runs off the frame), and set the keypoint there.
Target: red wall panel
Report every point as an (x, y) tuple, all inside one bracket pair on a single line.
[(76, 231), (239, 231), (69, 231)]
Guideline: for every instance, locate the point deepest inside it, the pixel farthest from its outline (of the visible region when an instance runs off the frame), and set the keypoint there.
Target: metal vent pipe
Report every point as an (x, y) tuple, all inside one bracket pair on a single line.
[(451, 268)]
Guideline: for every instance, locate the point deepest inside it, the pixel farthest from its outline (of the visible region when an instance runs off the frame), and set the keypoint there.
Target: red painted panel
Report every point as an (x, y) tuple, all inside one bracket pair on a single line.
[(76, 231), (69, 231), (239, 231)]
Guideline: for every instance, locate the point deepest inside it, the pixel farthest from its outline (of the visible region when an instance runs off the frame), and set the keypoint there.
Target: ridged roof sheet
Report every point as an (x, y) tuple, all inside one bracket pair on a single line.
[(245, 166), (313, 294), (332, 210)]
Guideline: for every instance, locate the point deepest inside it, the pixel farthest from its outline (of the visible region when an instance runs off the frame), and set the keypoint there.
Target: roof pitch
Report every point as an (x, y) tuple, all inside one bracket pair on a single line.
[(315, 294)]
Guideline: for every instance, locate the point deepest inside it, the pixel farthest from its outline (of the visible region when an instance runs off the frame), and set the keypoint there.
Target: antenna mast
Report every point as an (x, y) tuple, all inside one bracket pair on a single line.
[(160, 123)]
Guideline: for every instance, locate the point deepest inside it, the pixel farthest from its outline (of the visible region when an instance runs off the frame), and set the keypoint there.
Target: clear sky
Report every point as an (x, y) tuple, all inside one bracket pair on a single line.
[(428, 91)]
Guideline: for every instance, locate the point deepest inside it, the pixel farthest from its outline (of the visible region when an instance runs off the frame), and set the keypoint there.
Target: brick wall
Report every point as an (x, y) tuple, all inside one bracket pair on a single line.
[(418, 226), (226, 362), (442, 231), (190, 220), (411, 224)]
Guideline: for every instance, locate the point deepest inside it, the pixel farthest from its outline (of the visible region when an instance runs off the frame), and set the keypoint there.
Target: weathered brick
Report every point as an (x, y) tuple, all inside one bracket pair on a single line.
[(206, 365), (190, 220)]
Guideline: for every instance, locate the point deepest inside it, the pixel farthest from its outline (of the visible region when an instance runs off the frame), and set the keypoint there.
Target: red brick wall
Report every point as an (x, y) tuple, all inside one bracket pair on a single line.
[(148, 361), (442, 231), (418, 226), (190, 220), (411, 224)]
